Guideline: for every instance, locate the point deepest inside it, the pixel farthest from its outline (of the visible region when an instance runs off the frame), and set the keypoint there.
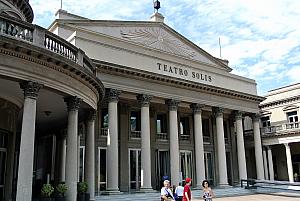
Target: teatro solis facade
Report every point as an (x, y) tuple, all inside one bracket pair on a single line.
[(165, 108), (170, 108)]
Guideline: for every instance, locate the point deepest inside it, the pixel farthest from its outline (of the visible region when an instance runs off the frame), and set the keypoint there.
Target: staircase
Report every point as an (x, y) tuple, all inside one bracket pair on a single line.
[(155, 196)]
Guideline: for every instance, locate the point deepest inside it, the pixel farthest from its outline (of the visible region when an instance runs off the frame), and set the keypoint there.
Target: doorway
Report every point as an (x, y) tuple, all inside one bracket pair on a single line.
[(162, 166), (209, 167), (134, 169), (102, 170), (185, 165)]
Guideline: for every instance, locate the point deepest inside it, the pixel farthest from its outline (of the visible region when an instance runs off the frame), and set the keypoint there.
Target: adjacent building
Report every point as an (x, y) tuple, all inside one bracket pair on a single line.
[(281, 133)]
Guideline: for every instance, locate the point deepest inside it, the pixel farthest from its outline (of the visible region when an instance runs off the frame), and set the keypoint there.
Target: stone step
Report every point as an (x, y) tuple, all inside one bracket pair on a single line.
[(154, 196)]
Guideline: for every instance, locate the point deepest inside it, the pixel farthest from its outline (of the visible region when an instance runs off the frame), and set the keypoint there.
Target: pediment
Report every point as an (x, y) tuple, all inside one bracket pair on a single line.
[(155, 36)]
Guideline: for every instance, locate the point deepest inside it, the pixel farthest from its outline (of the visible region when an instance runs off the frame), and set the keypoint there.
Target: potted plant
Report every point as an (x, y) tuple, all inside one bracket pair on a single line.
[(46, 192), (82, 194), (61, 189)]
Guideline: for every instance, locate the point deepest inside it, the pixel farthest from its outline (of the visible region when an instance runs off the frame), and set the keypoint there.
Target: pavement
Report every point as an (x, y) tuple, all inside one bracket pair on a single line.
[(256, 197)]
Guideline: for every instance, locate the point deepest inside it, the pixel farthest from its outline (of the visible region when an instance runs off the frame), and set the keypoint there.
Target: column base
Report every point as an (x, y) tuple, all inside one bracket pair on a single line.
[(146, 190), (111, 192), (224, 186)]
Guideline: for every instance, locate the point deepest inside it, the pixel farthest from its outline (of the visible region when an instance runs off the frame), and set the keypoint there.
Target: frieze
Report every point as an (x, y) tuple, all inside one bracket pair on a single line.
[(158, 38)]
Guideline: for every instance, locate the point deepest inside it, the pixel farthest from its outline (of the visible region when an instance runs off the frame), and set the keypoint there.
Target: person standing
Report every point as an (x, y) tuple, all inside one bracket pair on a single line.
[(208, 194), (179, 192), (166, 192), (187, 195)]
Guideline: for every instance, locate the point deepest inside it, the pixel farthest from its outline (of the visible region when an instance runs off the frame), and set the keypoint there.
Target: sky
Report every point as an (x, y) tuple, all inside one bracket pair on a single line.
[(260, 38)]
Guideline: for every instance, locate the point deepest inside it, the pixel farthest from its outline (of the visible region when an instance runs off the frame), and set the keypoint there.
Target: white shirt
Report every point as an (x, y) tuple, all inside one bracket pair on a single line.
[(165, 191), (179, 190)]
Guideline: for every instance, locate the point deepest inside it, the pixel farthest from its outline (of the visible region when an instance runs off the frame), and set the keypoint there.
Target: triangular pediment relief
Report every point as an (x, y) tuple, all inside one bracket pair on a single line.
[(153, 36)]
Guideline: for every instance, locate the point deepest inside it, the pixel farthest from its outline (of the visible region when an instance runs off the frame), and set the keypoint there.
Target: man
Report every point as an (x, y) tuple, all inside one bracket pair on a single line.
[(187, 196), (166, 193)]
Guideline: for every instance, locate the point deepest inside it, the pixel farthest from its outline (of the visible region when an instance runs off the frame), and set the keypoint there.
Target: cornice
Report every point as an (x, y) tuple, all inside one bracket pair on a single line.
[(114, 69), (279, 102), (26, 51)]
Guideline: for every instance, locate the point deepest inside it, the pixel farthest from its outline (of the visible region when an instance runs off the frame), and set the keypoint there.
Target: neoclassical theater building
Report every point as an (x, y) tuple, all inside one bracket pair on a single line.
[(118, 104), (281, 133)]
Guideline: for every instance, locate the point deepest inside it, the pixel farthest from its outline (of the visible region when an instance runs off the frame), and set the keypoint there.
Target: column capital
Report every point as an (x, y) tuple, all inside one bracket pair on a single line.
[(238, 115), (256, 116), (218, 111), (73, 102), (112, 95), (31, 89), (172, 104), (268, 147), (197, 108), (91, 115), (144, 100), (286, 145)]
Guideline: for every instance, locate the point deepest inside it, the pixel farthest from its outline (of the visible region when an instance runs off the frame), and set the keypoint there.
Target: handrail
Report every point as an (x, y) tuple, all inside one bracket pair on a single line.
[(41, 37), (270, 130)]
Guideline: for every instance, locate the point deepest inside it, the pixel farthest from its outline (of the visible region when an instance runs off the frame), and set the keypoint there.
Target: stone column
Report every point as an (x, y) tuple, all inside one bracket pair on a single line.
[(72, 146), (24, 184), (78, 159), (63, 150), (270, 158), (199, 149), (289, 162), (174, 143), (112, 141), (221, 147), (258, 148), (144, 100), (266, 171), (89, 163), (240, 145)]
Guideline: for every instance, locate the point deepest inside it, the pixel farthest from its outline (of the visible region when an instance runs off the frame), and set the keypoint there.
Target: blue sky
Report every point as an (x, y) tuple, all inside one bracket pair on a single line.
[(260, 38)]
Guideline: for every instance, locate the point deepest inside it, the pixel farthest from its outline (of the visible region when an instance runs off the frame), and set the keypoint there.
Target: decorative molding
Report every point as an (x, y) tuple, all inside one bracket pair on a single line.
[(279, 102), (158, 38), (113, 95), (172, 104), (256, 117), (144, 100), (91, 115), (218, 111), (119, 70), (31, 89), (238, 115), (197, 108), (73, 102)]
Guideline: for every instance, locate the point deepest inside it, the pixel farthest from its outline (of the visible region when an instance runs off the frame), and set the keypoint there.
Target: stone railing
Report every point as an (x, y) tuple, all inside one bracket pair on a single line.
[(135, 134), (41, 37), (207, 139), (185, 137), (281, 129), (104, 132), (162, 136)]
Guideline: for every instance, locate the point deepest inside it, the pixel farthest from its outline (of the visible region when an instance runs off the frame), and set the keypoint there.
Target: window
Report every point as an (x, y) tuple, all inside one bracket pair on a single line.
[(104, 119), (135, 121), (292, 117), (184, 128), (205, 127), (266, 121), (161, 123)]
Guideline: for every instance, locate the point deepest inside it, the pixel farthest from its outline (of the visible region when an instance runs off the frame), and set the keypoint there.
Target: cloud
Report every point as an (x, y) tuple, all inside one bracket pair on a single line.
[(261, 39)]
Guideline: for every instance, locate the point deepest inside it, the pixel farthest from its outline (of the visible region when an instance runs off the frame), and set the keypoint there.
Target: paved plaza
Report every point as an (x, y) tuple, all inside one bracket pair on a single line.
[(257, 197)]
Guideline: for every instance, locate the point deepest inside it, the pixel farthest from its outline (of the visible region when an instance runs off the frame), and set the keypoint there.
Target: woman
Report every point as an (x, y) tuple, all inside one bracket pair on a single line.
[(208, 194), (166, 192)]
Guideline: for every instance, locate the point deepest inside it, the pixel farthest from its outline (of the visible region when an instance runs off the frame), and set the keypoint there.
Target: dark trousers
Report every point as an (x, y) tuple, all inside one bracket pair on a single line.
[(179, 198)]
